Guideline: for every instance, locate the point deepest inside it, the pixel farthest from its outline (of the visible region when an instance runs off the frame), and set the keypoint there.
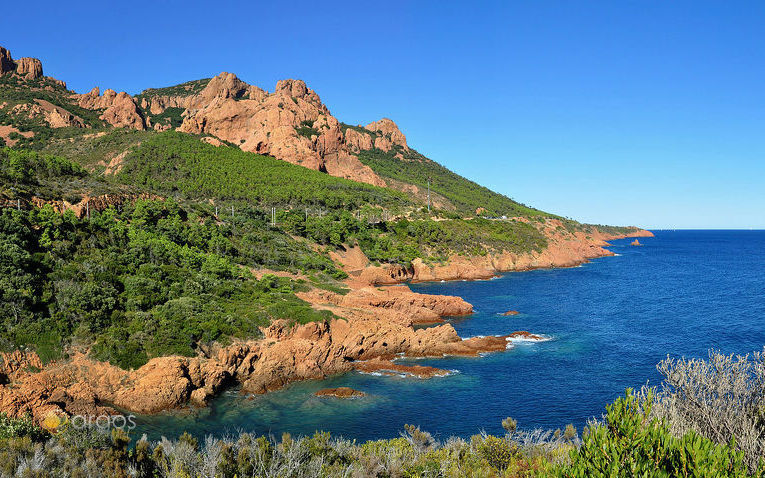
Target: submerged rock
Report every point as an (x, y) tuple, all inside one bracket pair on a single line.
[(340, 392)]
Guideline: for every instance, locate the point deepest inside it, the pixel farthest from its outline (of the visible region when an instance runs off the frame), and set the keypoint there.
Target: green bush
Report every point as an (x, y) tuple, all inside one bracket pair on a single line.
[(499, 452), (630, 443)]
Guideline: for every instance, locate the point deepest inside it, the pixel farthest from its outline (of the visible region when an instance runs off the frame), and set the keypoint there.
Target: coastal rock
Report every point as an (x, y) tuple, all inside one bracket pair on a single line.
[(340, 392), (511, 312), (414, 308), (387, 367), (635, 243), (524, 335)]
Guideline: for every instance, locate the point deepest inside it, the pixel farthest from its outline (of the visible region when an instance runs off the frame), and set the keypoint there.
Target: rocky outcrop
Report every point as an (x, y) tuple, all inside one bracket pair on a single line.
[(120, 109), (510, 312), (86, 204), (55, 116), (7, 65), (388, 134), (285, 354), (564, 249), (340, 392), (291, 124), (410, 307), (635, 243), (29, 68)]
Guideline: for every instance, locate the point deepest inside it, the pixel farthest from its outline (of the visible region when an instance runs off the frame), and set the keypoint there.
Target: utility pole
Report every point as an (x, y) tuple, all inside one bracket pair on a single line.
[(273, 217), (428, 194)]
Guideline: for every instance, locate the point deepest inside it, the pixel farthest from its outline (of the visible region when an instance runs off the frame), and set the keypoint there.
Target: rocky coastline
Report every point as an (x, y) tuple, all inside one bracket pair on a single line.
[(376, 327)]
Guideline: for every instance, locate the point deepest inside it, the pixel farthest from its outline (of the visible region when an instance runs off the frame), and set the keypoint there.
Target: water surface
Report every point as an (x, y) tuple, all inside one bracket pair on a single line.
[(610, 321)]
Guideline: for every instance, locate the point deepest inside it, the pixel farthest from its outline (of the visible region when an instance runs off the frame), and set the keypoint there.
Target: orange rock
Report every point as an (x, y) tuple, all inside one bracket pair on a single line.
[(511, 312), (120, 109), (635, 243), (29, 68), (388, 134), (386, 367), (7, 65)]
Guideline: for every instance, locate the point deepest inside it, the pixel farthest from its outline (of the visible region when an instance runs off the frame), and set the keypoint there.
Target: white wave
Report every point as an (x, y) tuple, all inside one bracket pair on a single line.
[(527, 340)]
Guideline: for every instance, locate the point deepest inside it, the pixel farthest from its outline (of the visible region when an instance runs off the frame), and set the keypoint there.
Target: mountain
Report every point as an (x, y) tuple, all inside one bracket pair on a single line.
[(157, 248)]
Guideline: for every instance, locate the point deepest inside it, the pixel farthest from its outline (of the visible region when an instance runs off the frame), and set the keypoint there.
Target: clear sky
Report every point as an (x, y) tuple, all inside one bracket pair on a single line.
[(622, 112)]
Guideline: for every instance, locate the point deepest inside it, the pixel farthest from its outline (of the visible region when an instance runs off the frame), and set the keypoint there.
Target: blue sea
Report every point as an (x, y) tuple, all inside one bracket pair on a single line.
[(610, 321)]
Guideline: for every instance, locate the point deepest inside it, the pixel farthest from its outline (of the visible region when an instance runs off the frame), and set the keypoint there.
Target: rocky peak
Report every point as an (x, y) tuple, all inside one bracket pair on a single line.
[(120, 109), (7, 65), (225, 85), (294, 88), (29, 68), (388, 134)]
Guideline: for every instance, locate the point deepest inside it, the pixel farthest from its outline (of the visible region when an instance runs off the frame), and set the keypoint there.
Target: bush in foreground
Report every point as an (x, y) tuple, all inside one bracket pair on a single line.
[(705, 421)]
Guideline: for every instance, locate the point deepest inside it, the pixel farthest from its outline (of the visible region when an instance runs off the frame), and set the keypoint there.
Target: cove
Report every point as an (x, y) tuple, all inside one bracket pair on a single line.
[(610, 321)]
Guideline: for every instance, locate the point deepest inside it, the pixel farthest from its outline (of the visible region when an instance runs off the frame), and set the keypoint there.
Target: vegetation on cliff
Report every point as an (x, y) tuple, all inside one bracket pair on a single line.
[(179, 163), (411, 167), (20, 108), (153, 279)]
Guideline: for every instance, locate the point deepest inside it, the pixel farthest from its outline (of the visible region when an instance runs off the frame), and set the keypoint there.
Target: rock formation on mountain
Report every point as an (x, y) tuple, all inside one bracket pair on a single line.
[(120, 109), (27, 68), (291, 124), (388, 134)]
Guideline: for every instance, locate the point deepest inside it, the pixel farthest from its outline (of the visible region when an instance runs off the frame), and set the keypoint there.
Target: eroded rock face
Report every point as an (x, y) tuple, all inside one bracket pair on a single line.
[(120, 109), (7, 65), (30, 68), (388, 134), (55, 116), (291, 124)]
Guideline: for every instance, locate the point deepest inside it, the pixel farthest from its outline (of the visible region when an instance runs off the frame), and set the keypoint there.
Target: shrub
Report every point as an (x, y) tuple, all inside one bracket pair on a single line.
[(421, 441), (631, 443), (722, 399), (499, 452)]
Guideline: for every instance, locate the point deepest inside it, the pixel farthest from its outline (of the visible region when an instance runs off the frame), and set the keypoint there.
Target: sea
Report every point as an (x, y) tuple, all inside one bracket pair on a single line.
[(609, 322)]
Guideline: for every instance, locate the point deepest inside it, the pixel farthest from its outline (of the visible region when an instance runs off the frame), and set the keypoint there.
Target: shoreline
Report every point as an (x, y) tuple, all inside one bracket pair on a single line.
[(377, 322)]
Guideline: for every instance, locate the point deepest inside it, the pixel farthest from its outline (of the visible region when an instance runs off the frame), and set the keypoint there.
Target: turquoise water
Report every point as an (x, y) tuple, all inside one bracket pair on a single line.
[(610, 321)]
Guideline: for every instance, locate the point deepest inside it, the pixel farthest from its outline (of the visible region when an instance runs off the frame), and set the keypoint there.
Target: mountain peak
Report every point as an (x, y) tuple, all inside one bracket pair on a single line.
[(28, 68)]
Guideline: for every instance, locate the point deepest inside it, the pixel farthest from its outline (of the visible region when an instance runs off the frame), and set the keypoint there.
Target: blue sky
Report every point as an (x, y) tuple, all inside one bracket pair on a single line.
[(621, 112)]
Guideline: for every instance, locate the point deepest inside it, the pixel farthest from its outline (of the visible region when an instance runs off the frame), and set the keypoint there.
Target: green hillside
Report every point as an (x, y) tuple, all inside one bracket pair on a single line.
[(466, 196), (145, 278), (176, 163)]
